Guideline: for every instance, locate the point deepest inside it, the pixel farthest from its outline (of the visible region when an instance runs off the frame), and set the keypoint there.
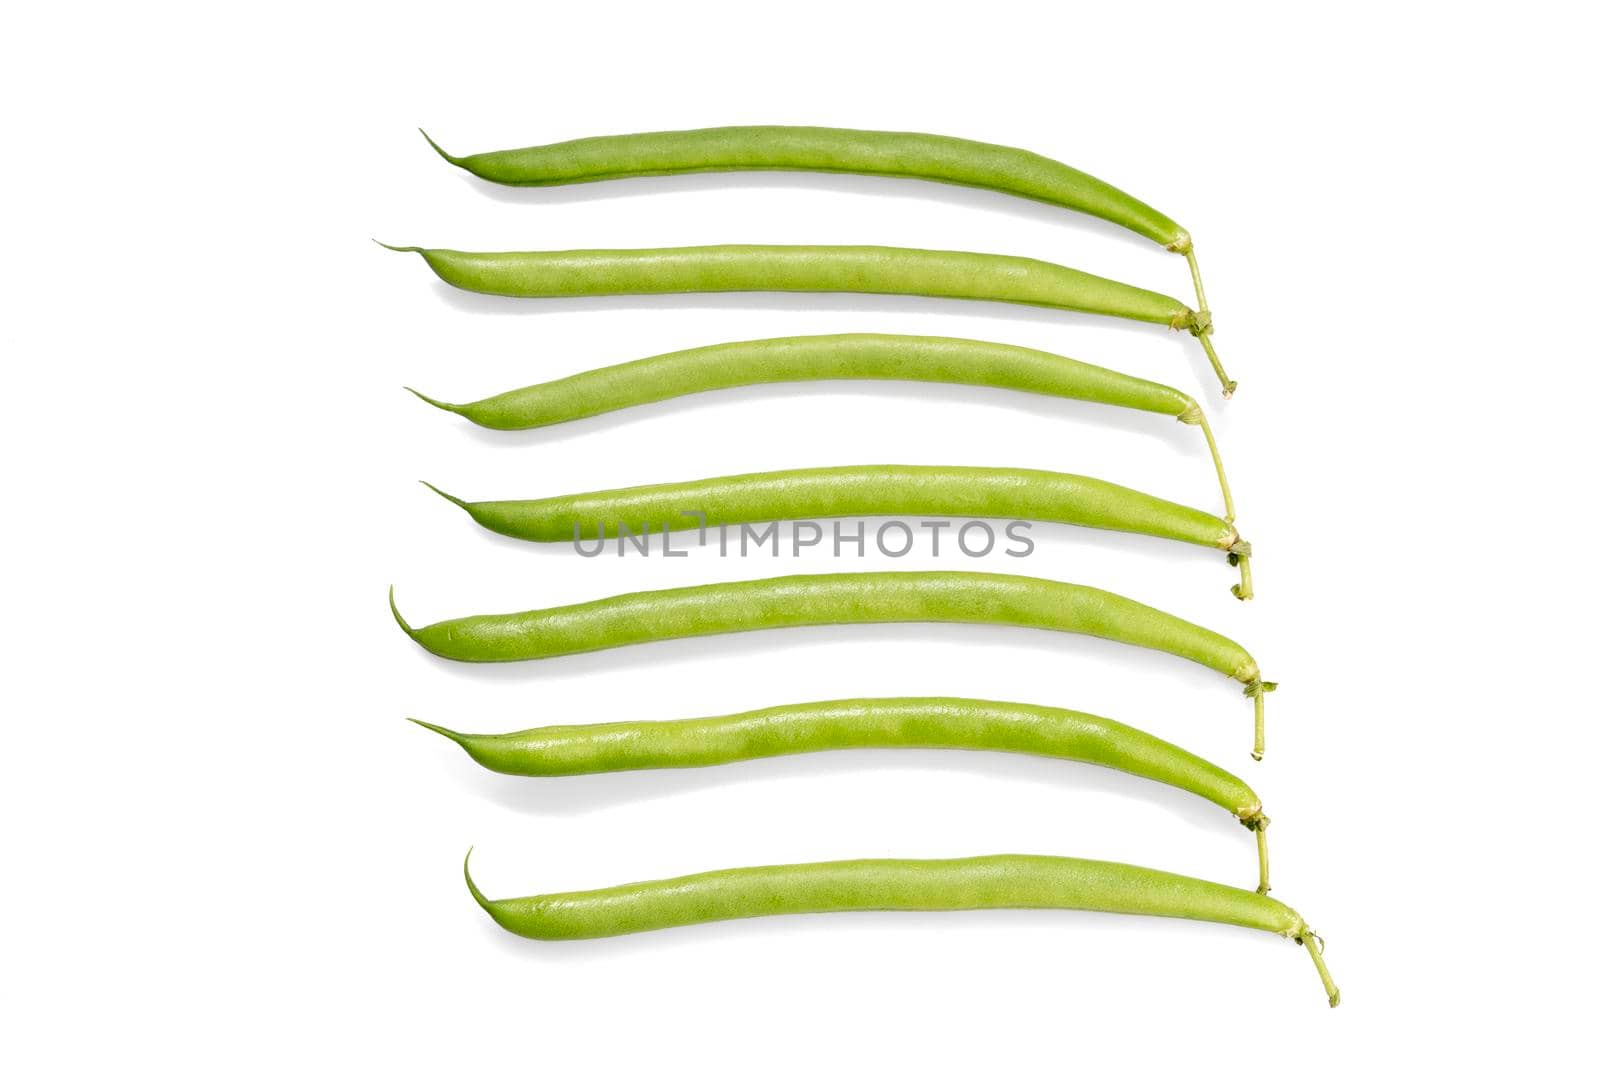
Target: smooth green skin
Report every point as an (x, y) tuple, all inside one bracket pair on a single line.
[(930, 157), (838, 356), (807, 269), (822, 357), (813, 600), (866, 723), (827, 492), (994, 882), (1006, 881), (860, 723)]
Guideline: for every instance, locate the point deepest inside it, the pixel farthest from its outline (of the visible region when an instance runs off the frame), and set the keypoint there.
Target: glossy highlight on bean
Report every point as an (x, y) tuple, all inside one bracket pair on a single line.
[(1006, 881), (865, 723), (870, 490), (817, 600), (830, 150), (829, 357), (813, 269)]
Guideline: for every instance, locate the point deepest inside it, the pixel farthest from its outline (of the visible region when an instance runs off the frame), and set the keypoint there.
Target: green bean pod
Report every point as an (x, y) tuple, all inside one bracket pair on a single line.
[(816, 600), (824, 357), (883, 489), (1006, 881), (888, 154), (813, 269), (866, 723), (820, 357)]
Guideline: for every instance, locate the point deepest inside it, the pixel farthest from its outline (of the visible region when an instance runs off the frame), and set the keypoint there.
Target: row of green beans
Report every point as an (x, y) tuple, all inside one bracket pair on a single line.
[(1009, 881)]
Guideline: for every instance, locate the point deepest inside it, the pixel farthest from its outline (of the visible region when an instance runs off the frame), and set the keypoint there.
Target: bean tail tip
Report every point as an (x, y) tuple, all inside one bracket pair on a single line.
[(435, 728), (441, 405), (435, 145), (397, 248), (398, 618), (457, 501), (477, 895)]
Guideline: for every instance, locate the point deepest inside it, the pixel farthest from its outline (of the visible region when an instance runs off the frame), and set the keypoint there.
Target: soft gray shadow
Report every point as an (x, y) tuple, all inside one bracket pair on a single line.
[(972, 198), (949, 638), (1041, 923), (1059, 539), (1080, 783), (1045, 535), (804, 302), (1109, 417), (801, 302)]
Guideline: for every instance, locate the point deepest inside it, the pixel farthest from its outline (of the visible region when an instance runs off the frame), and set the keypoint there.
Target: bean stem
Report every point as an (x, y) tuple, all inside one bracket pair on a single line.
[(1228, 384), (1188, 254), (1216, 460), (1261, 720), (1245, 588), (1313, 946), (1261, 852)]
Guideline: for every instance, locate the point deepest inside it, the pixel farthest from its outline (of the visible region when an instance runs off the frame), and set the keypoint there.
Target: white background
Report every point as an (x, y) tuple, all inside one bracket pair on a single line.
[(222, 841)]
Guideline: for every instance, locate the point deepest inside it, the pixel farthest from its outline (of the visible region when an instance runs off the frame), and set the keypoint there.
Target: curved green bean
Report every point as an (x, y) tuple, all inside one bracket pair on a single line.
[(865, 723), (815, 600), (882, 489), (889, 154), (1006, 881), (813, 269), (824, 357)]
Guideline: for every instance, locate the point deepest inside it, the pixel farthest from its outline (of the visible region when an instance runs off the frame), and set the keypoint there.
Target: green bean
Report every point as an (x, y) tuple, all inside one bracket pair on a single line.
[(1006, 881), (831, 356), (865, 723), (884, 489), (931, 157), (815, 600), (813, 269)]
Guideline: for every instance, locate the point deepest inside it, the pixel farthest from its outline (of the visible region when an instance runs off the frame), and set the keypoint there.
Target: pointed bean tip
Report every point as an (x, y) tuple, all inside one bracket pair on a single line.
[(443, 154), (396, 248), (457, 501), (477, 895), (435, 728), (398, 618), (442, 405)]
